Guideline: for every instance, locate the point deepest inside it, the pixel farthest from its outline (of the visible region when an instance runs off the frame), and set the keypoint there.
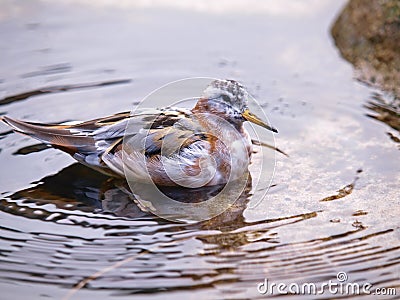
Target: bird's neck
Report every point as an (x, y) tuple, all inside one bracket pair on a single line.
[(202, 111), (205, 106)]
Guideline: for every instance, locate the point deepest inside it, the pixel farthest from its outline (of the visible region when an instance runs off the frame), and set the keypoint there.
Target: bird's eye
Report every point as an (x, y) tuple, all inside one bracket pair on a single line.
[(226, 98)]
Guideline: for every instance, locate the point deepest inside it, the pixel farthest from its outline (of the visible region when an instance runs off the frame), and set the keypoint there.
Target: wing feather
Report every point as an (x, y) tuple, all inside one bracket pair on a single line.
[(98, 143)]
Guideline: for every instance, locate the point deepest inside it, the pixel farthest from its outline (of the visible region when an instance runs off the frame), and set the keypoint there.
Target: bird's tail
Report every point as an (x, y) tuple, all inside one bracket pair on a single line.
[(87, 142), (63, 137)]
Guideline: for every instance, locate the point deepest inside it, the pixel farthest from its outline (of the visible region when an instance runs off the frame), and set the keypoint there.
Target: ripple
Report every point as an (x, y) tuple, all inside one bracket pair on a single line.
[(96, 243), (75, 234)]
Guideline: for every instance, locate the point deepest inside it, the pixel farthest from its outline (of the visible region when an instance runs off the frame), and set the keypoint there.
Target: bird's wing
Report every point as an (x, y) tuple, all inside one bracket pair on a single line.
[(88, 141), (178, 146)]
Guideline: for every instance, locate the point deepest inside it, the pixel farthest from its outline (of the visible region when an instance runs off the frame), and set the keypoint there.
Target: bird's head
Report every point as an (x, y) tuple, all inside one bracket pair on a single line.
[(228, 99)]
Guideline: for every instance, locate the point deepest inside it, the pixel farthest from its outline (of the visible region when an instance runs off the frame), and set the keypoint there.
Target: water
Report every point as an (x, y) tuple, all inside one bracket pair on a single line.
[(68, 232)]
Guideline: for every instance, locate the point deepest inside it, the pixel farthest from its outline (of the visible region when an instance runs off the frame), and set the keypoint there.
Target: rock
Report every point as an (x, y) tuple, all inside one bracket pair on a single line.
[(367, 33)]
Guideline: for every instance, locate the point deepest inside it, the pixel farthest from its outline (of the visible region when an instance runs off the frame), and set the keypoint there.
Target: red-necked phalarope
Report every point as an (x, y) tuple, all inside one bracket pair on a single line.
[(99, 143)]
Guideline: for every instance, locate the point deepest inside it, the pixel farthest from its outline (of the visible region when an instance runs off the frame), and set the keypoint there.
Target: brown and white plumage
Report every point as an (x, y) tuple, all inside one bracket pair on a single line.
[(174, 141)]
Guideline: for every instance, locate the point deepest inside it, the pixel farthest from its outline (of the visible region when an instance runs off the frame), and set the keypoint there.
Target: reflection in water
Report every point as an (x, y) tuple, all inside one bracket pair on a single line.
[(49, 70), (31, 149), (343, 192), (137, 246), (79, 188), (57, 89), (79, 231), (386, 111)]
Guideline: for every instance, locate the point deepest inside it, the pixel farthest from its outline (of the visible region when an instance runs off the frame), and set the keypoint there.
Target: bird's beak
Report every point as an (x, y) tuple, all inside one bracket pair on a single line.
[(256, 120)]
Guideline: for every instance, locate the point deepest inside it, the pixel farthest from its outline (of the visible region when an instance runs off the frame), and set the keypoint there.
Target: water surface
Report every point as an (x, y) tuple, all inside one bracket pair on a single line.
[(70, 232)]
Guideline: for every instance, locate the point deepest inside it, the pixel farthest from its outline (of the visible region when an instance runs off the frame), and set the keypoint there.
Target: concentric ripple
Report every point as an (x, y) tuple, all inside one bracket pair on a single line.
[(122, 251)]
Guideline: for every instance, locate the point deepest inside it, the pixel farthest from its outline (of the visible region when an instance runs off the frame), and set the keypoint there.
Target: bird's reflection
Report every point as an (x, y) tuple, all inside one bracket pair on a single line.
[(79, 188)]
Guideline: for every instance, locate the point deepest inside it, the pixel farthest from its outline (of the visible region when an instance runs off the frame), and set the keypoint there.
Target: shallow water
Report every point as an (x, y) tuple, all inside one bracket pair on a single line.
[(69, 232)]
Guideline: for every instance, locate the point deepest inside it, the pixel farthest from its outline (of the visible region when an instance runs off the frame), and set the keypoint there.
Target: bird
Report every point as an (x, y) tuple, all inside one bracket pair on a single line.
[(170, 146)]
